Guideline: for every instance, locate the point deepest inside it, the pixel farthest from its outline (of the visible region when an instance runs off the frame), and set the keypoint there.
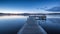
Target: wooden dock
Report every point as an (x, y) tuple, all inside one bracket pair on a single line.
[(31, 27)]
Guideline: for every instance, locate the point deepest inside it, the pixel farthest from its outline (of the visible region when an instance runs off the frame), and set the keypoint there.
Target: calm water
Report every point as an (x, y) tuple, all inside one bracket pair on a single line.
[(52, 25), (12, 24)]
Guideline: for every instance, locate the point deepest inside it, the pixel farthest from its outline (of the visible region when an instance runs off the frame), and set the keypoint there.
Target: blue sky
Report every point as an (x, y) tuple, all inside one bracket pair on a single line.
[(24, 6)]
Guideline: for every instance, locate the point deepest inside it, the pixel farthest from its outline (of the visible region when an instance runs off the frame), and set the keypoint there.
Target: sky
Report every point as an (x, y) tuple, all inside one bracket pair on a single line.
[(28, 6)]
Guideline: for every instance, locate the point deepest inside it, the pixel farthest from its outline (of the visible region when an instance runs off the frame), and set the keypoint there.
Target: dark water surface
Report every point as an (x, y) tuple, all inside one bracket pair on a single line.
[(51, 25), (13, 25)]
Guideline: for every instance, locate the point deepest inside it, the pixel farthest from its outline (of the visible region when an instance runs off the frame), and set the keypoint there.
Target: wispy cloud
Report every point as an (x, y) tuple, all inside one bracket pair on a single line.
[(54, 9)]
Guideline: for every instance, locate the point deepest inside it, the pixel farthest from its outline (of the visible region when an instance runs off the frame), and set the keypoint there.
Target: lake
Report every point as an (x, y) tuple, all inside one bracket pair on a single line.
[(12, 24)]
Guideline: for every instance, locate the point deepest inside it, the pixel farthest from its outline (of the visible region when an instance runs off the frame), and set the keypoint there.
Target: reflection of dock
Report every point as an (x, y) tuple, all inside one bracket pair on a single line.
[(32, 27)]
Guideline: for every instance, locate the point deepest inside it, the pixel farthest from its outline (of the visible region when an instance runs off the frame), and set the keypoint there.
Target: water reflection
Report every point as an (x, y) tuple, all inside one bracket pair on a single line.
[(51, 25), (9, 17), (53, 16), (12, 24)]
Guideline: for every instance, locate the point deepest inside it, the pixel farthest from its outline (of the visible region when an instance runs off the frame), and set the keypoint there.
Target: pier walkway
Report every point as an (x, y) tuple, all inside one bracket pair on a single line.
[(31, 27)]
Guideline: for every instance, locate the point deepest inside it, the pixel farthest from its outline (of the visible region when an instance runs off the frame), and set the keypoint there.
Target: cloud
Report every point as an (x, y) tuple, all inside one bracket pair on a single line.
[(54, 9)]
